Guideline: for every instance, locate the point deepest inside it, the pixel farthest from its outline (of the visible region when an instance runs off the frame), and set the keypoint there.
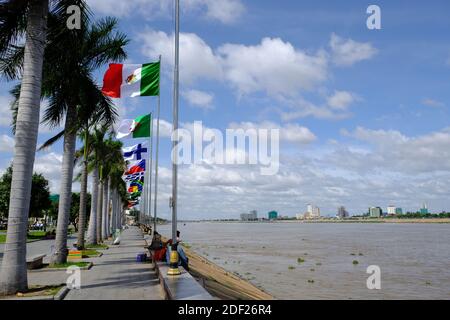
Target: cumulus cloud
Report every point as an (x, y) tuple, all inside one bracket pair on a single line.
[(6, 143), (341, 100), (197, 59), (5, 111), (199, 98), (346, 52), (391, 150), (224, 11), (290, 132), (273, 66)]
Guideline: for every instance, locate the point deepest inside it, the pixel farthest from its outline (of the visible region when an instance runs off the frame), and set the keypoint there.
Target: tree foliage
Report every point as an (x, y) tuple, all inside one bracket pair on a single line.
[(40, 194)]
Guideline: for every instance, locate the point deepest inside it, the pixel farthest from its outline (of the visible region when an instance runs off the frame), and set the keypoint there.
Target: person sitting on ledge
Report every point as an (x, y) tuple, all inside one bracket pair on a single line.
[(182, 259)]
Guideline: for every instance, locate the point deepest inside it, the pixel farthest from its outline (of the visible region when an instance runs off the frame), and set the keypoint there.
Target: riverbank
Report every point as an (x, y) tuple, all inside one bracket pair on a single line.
[(351, 220)]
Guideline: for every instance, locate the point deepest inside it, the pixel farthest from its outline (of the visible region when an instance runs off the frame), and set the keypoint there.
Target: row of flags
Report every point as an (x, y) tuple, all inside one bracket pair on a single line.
[(133, 80)]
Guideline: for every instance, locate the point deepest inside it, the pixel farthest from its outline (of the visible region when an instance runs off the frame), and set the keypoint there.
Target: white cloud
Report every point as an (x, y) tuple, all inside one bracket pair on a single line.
[(273, 66), (289, 132), (165, 128), (199, 98), (394, 151), (433, 103), (346, 52), (6, 143), (197, 59), (224, 11), (5, 111), (340, 100)]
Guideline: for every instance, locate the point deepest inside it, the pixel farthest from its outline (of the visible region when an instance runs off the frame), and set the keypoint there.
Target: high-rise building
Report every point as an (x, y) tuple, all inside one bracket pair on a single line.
[(252, 216), (342, 213), (391, 210), (273, 215), (424, 209), (398, 211), (375, 212), (312, 212)]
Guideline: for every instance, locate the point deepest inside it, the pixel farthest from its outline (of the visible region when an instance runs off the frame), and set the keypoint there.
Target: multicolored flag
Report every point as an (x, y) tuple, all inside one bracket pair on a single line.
[(134, 176), (135, 128), (131, 80), (134, 152), (135, 167)]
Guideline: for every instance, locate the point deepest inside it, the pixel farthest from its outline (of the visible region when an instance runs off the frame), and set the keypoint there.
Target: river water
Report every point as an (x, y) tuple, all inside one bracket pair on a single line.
[(414, 259)]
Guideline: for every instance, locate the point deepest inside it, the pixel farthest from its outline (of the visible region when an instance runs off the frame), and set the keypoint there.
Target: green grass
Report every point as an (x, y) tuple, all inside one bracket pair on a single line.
[(300, 260), (355, 262), (89, 253), (80, 264), (32, 235), (291, 267), (34, 291)]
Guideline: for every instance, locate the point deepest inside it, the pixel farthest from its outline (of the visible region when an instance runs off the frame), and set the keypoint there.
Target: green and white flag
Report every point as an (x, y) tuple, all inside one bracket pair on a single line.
[(131, 80), (135, 128)]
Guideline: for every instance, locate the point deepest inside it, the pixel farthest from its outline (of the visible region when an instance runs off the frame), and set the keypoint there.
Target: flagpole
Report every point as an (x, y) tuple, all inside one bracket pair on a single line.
[(173, 268), (155, 204), (150, 154)]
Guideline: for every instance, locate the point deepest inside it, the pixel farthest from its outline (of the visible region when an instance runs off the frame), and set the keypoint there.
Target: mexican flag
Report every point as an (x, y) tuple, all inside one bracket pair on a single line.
[(135, 128), (131, 80)]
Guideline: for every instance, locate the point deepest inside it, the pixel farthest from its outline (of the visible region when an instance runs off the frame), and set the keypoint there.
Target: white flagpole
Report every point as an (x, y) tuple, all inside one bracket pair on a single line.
[(175, 124), (173, 266), (150, 154), (155, 202)]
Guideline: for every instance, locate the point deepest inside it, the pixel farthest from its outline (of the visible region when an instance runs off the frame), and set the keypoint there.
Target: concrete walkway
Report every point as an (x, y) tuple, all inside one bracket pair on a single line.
[(115, 276)]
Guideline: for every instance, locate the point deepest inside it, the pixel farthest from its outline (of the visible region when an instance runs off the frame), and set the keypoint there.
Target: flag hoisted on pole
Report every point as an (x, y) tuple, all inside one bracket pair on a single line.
[(135, 128), (131, 80), (134, 152), (155, 200)]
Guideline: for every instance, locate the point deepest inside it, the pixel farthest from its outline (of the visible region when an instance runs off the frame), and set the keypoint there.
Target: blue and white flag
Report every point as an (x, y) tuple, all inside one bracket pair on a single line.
[(134, 176), (134, 152)]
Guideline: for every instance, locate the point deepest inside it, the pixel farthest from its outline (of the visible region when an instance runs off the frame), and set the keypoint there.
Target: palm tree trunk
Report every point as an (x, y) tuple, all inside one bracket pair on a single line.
[(82, 212), (92, 230), (13, 277), (105, 210), (65, 194), (83, 194), (113, 211), (99, 209)]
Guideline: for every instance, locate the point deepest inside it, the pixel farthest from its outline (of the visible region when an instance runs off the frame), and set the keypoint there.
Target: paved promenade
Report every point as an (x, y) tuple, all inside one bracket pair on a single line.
[(115, 276)]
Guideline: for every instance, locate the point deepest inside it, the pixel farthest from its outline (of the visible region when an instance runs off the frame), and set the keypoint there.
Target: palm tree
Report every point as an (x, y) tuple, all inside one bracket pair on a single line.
[(113, 164), (90, 164), (18, 17)]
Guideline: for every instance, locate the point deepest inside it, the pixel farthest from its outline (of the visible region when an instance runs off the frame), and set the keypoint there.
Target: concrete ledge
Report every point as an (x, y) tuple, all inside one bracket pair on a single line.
[(61, 293), (182, 287)]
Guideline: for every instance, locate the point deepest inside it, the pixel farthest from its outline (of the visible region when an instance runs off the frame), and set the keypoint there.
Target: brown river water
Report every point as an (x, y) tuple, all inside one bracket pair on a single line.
[(414, 259)]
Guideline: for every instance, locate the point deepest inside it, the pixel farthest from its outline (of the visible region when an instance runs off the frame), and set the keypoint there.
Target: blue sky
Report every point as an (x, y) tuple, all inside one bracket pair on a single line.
[(363, 114)]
